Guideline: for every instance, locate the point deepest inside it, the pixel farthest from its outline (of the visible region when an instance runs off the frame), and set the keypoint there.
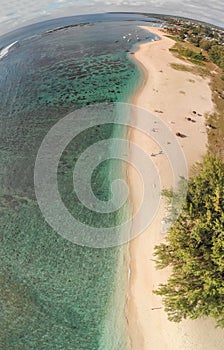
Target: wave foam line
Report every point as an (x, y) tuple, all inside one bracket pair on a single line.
[(4, 52)]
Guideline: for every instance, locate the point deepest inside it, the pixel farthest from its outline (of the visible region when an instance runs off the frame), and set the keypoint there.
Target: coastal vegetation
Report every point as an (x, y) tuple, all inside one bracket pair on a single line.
[(216, 53), (193, 55), (194, 249), (203, 36), (194, 246)]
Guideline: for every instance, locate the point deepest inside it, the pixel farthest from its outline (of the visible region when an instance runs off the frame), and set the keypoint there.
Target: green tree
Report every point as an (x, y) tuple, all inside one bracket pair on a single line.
[(195, 40), (206, 44), (194, 249), (216, 54)]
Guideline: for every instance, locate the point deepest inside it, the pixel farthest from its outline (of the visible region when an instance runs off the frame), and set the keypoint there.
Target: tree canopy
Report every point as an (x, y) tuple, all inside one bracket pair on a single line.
[(194, 249), (216, 54)]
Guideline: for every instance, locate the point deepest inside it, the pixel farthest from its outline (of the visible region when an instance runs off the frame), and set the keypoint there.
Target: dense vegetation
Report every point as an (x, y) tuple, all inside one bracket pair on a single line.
[(194, 249), (194, 56), (205, 37), (216, 54)]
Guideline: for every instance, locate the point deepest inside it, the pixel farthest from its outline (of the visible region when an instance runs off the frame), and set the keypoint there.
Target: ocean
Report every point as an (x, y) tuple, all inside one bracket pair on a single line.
[(56, 294)]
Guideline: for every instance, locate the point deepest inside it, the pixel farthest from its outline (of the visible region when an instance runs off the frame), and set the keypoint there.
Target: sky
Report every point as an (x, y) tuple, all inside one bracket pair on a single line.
[(17, 13)]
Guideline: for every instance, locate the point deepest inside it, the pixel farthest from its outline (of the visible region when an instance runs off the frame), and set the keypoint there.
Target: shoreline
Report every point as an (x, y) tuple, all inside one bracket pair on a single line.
[(148, 326)]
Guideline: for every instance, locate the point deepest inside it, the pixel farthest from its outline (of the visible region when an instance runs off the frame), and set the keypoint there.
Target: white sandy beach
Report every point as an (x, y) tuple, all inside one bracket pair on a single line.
[(175, 94)]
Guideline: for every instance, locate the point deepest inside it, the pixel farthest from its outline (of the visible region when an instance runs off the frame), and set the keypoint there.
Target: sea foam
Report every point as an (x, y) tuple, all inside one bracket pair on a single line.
[(4, 52)]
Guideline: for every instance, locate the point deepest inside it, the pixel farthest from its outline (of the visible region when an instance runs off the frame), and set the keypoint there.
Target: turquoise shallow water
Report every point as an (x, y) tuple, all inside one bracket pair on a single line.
[(54, 294)]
